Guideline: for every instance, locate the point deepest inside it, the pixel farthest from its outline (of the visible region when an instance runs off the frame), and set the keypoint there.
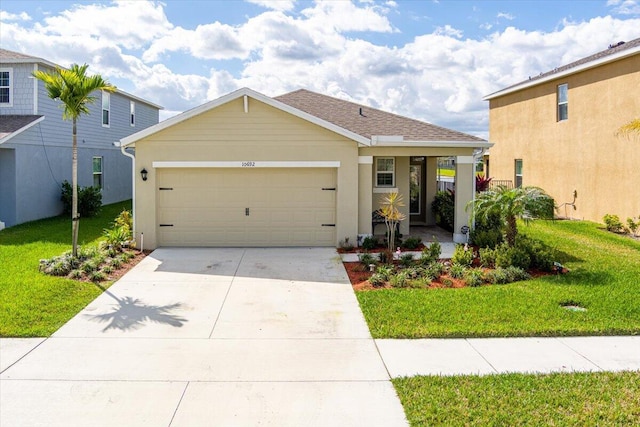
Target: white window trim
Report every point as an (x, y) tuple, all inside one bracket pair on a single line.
[(516, 174), (393, 172), (558, 103), (10, 103), (93, 173), (132, 113), (108, 109)]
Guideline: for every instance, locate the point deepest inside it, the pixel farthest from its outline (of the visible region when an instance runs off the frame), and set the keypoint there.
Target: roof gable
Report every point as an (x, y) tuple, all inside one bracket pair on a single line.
[(612, 53), (13, 125), (244, 92)]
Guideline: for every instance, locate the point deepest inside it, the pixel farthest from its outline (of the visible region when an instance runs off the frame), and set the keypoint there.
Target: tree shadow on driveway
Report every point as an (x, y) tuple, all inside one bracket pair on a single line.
[(131, 314)]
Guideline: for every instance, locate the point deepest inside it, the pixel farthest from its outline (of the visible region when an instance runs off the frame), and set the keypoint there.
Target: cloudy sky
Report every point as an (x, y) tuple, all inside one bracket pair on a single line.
[(431, 60)]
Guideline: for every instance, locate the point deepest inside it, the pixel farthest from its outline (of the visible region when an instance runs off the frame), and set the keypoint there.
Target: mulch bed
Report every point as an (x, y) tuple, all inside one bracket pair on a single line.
[(360, 279)]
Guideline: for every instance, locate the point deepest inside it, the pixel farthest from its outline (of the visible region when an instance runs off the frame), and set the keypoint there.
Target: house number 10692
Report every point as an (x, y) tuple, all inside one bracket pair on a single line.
[(248, 164)]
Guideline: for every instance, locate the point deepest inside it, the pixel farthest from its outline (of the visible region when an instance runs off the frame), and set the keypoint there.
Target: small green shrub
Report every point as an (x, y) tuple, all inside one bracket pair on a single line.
[(115, 263), (632, 225), (516, 274), (399, 280), (412, 243), (474, 277), (117, 237), (419, 283), (462, 255), (406, 260), (107, 269), (431, 253), (366, 259), (447, 283), (97, 276), (506, 256), (488, 231), (377, 280), (369, 243), (487, 257), (128, 255), (414, 272), (457, 271), (76, 274), (89, 266), (385, 271), (89, 200), (612, 223)]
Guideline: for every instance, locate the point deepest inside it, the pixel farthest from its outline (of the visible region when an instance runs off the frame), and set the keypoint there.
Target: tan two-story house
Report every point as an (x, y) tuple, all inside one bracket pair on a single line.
[(558, 131)]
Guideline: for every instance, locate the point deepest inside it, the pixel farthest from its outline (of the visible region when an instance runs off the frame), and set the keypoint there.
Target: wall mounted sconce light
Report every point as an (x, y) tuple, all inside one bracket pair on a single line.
[(143, 174)]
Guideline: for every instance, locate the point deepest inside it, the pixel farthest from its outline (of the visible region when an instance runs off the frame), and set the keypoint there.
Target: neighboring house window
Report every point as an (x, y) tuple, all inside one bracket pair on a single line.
[(106, 108), (6, 94), (385, 171), (563, 102), (132, 115), (97, 172), (518, 174)]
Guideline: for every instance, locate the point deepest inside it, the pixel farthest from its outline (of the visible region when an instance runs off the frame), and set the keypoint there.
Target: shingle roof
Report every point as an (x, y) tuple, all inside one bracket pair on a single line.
[(367, 121), (11, 55), (10, 124), (614, 49)]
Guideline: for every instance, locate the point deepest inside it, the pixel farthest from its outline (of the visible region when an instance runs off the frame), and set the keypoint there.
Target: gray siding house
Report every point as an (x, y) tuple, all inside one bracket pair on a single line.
[(35, 143)]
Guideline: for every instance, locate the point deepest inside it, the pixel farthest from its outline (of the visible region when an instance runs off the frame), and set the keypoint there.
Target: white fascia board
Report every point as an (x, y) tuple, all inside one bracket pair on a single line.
[(574, 70), (138, 99), (247, 164), (22, 129), (437, 144), (131, 139)]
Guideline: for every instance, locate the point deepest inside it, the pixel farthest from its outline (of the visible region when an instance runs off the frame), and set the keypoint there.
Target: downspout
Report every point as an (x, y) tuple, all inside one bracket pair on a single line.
[(133, 182)]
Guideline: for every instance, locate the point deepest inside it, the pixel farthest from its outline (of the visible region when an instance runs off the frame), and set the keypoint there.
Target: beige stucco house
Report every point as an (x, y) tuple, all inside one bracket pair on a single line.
[(558, 131), (301, 169)]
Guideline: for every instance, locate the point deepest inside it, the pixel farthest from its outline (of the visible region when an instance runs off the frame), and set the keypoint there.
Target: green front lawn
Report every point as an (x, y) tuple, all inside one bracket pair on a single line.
[(33, 304), (604, 278), (576, 399)]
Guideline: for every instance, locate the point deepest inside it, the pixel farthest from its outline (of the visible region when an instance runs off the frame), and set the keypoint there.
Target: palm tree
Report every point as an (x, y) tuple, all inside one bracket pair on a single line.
[(389, 209), (73, 88), (509, 204)]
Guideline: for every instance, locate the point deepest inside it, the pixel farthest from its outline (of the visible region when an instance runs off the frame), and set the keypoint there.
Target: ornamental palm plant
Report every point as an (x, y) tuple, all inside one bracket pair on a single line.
[(389, 209), (511, 204), (73, 87)]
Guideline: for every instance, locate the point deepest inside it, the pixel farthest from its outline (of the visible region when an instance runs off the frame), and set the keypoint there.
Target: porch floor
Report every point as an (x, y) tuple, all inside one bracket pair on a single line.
[(427, 233)]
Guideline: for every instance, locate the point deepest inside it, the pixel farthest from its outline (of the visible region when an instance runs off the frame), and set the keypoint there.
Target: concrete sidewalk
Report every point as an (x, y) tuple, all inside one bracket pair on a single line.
[(202, 337), (482, 356)]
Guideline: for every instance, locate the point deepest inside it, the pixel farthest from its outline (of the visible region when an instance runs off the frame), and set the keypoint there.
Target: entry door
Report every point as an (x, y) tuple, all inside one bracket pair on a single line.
[(416, 190)]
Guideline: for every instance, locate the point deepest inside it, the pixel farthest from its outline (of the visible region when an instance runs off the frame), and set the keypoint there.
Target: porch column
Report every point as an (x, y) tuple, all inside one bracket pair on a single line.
[(403, 186), (464, 194), (365, 194), (431, 188)]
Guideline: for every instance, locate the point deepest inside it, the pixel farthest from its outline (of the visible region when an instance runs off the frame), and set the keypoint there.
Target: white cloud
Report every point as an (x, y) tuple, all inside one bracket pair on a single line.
[(280, 5), (448, 31), (6, 16), (625, 7), (504, 15)]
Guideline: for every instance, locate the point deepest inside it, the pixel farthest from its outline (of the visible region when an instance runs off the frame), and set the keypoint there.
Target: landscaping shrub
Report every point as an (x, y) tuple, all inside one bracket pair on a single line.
[(541, 256), (431, 253), (89, 200), (511, 256), (369, 243), (345, 244), (399, 280), (457, 271), (612, 223), (474, 277), (633, 225), (406, 260), (487, 257), (385, 257), (506, 275), (462, 255), (366, 259), (443, 208), (377, 279), (411, 243), (385, 271)]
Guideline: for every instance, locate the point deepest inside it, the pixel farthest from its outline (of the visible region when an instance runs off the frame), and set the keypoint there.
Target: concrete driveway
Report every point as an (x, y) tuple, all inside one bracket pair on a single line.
[(209, 337)]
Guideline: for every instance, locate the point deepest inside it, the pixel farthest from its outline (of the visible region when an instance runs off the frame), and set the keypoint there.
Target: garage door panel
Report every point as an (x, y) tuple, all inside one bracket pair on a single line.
[(287, 207)]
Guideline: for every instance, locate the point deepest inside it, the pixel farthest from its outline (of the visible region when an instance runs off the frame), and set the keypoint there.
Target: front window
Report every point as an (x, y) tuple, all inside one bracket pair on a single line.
[(106, 108), (132, 113), (385, 171), (563, 102), (97, 172), (518, 175), (6, 78)]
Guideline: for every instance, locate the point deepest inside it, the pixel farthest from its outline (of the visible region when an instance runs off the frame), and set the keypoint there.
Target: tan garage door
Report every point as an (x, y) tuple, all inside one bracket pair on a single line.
[(246, 207)]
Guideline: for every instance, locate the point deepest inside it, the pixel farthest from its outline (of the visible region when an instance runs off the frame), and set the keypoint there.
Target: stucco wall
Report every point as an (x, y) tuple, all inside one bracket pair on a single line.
[(227, 133), (581, 153)]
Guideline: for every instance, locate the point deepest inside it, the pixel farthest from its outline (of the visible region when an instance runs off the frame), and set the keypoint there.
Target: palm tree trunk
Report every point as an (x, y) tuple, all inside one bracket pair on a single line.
[(512, 230), (75, 219)]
